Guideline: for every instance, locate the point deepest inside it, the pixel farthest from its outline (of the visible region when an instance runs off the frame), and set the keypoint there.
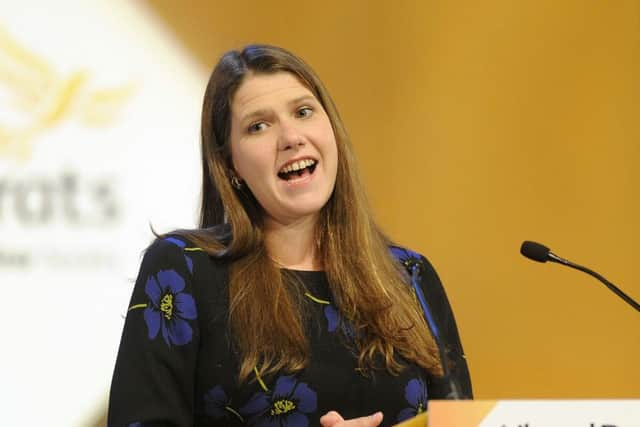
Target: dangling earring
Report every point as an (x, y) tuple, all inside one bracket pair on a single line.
[(235, 181)]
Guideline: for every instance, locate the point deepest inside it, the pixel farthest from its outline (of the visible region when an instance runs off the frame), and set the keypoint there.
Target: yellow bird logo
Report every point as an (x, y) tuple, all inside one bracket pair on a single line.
[(40, 98)]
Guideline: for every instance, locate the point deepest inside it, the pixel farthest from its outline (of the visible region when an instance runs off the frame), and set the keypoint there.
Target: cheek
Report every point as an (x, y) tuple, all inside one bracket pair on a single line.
[(329, 140), (249, 162), (242, 164), (331, 150), (238, 159)]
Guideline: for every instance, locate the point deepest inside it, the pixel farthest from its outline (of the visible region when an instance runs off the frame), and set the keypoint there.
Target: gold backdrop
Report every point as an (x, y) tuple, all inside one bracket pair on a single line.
[(479, 125)]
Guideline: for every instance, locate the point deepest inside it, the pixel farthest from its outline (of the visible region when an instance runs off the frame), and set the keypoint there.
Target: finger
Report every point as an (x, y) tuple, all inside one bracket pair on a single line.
[(330, 419), (375, 419), (370, 421)]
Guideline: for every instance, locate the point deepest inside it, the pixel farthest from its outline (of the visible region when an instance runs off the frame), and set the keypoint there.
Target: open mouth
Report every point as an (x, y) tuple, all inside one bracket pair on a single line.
[(298, 169)]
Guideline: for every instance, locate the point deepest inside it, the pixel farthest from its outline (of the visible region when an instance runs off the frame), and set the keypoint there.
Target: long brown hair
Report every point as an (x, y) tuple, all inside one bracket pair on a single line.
[(367, 284)]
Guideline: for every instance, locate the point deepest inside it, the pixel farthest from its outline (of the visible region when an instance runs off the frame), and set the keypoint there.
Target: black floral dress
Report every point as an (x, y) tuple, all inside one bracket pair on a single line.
[(177, 366)]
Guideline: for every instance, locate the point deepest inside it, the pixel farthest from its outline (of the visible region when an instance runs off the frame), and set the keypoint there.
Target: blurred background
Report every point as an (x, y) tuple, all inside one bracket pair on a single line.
[(477, 125)]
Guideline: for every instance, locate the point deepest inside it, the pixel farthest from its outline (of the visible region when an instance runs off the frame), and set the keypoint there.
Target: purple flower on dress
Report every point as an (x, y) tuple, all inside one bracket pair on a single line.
[(407, 257), (170, 308), (179, 243), (334, 319), (215, 401), (218, 405), (415, 393), (285, 406)]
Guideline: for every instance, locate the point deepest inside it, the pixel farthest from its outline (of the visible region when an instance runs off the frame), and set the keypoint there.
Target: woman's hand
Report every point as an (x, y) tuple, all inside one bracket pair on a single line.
[(334, 419)]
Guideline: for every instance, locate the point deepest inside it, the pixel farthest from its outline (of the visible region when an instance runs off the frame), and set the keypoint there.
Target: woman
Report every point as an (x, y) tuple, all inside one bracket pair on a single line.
[(288, 306)]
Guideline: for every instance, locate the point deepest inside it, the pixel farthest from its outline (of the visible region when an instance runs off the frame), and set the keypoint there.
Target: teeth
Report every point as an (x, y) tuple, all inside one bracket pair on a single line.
[(295, 166)]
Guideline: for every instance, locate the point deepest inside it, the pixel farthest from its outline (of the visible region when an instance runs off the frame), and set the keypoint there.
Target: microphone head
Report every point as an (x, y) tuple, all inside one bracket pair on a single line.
[(535, 251)]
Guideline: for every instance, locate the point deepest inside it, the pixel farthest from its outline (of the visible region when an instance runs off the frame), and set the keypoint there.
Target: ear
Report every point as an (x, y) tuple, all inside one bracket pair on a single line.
[(236, 180), (232, 169), (234, 174)]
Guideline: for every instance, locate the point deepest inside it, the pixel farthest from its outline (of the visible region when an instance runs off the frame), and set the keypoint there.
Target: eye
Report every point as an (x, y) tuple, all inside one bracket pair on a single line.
[(256, 127), (304, 112)]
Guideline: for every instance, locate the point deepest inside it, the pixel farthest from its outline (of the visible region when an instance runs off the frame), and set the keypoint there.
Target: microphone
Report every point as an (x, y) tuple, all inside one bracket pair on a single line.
[(541, 253)]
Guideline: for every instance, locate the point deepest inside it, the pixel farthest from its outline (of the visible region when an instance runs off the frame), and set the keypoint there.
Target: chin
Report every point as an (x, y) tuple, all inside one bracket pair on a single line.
[(307, 211), (303, 210)]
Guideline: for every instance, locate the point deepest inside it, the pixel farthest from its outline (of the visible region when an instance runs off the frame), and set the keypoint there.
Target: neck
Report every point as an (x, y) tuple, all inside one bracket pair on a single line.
[(293, 245)]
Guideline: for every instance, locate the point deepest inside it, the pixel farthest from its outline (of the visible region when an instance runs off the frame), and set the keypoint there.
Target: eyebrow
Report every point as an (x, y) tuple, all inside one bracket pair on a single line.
[(264, 111), (299, 99)]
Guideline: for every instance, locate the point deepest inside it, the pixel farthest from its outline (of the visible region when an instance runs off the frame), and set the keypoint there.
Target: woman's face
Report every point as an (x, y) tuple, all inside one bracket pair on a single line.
[(283, 146)]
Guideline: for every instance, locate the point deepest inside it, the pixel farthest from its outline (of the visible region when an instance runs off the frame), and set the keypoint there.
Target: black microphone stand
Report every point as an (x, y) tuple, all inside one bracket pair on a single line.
[(555, 258)]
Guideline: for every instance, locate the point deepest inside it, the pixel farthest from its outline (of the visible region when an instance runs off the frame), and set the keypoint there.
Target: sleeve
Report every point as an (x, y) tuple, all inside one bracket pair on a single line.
[(449, 339), (154, 377)]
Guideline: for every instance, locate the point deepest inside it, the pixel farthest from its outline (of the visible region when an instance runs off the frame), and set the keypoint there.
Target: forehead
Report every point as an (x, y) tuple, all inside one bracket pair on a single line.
[(262, 90)]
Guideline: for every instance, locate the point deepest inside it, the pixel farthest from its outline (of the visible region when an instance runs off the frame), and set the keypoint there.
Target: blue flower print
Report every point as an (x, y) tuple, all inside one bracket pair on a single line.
[(217, 405), (215, 401), (415, 393), (170, 308), (413, 263), (334, 319), (285, 406), (407, 257), (179, 243)]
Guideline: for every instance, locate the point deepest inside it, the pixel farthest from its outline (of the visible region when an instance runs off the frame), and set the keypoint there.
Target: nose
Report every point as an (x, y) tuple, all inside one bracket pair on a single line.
[(290, 136)]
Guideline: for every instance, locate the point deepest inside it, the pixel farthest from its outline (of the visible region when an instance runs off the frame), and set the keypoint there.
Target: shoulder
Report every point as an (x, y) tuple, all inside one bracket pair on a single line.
[(420, 274), (177, 252), (171, 251), (404, 255), (411, 259), (174, 262)]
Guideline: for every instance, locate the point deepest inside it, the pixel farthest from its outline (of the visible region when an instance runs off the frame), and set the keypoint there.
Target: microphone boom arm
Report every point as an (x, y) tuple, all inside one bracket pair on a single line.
[(555, 258)]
